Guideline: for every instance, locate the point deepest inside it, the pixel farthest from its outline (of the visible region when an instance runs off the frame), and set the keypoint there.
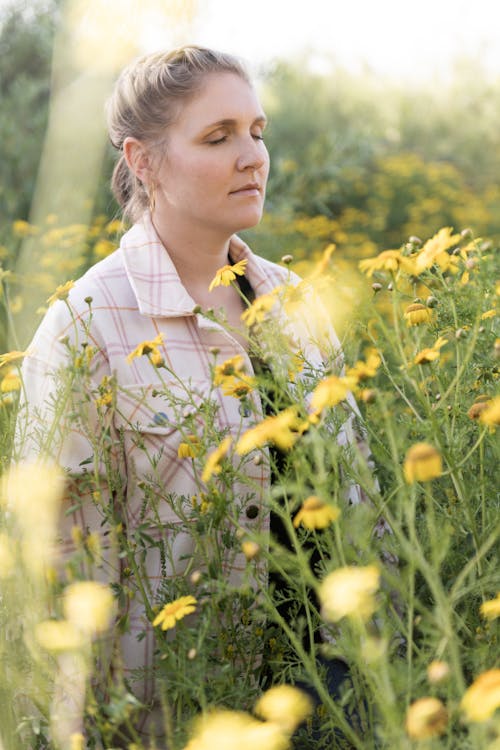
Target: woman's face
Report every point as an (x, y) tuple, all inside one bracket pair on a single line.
[(214, 172)]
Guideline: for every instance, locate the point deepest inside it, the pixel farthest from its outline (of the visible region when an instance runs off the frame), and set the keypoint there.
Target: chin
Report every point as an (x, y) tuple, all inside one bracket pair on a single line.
[(249, 221)]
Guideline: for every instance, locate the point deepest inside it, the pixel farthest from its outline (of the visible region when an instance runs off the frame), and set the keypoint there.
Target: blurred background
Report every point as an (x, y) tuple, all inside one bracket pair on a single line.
[(384, 123)]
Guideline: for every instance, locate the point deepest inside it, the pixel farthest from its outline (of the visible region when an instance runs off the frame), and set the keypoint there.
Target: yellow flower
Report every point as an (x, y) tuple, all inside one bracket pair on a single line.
[(238, 386), (284, 705), (227, 730), (480, 404), (10, 382), (422, 463), (62, 292), (14, 356), (259, 308), (426, 717), (59, 635), (330, 392), (77, 741), (190, 448), (148, 348), (482, 698), (489, 314), (23, 228), (315, 514), (437, 672), (250, 549), (174, 611), (227, 274), (212, 465), (434, 251), (428, 355), (349, 592), (491, 415), (33, 492), (282, 430), (102, 248), (388, 260), (417, 313), (364, 370), (89, 606), (233, 366), (491, 609)]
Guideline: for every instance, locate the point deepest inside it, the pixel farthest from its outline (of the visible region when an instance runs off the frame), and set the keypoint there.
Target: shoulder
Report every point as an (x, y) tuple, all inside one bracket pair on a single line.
[(76, 310)]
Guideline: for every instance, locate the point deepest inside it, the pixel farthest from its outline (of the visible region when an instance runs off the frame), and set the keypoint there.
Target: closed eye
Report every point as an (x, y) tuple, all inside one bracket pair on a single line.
[(219, 140)]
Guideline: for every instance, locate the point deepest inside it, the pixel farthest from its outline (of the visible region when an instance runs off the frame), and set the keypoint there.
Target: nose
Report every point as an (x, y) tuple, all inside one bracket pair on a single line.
[(253, 154)]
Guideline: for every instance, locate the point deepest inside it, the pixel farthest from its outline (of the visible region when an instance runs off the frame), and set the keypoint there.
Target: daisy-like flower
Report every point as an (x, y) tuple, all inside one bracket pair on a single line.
[(10, 382), (491, 415), (489, 314), (59, 635), (417, 313), (430, 354), (149, 348), (349, 592), (227, 274), (491, 609), (480, 404), (10, 357), (233, 366), (174, 611), (367, 369), (435, 251), (330, 392), (212, 465), (89, 606), (226, 730), (282, 430), (388, 260), (284, 705), (238, 386), (259, 309), (482, 698), (426, 717), (422, 463), (62, 292), (189, 448), (316, 514)]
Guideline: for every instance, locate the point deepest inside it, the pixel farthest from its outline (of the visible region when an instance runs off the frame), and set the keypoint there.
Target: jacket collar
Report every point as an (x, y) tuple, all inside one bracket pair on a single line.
[(154, 278)]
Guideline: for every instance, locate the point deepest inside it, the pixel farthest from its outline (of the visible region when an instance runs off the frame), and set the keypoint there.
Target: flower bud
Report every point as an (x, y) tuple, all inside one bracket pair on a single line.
[(287, 259), (376, 287)]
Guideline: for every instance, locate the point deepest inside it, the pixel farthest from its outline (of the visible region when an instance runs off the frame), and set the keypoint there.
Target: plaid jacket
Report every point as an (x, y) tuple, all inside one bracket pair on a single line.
[(132, 296)]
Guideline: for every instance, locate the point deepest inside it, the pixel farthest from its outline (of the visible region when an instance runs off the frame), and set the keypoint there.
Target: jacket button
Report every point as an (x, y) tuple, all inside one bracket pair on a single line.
[(244, 410), (252, 511)]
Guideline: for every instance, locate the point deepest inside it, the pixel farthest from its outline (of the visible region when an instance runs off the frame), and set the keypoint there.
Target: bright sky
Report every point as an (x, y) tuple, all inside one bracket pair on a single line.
[(402, 38)]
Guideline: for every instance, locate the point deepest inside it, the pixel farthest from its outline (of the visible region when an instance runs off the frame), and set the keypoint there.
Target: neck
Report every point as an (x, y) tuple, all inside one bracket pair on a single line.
[(197, 255)]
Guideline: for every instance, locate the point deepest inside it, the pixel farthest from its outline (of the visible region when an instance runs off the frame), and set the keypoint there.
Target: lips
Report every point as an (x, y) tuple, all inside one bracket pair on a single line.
[(248, 188)]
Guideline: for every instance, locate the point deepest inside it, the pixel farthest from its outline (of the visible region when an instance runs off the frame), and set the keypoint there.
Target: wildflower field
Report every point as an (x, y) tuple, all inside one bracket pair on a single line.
[(388, 551), (383, 562)]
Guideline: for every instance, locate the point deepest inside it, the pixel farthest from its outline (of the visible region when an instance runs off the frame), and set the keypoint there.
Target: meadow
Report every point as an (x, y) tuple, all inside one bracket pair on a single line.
[(388, 502)]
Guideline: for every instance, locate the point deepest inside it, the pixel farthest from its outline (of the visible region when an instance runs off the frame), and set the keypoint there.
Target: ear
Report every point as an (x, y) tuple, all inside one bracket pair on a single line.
[(138, 159)]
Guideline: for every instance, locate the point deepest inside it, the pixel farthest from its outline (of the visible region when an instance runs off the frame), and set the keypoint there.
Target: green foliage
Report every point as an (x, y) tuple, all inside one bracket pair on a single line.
[(26, 38), (421, 358)]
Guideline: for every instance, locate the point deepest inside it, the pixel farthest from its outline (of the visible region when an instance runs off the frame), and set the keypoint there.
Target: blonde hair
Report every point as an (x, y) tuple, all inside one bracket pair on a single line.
[(146, 100)]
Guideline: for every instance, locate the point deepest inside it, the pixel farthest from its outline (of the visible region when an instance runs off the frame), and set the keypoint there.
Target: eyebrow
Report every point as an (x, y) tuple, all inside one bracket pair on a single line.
[(230, 122)]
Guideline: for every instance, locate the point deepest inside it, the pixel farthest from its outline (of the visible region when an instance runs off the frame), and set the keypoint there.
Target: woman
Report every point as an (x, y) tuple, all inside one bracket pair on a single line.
[(192, 171)]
